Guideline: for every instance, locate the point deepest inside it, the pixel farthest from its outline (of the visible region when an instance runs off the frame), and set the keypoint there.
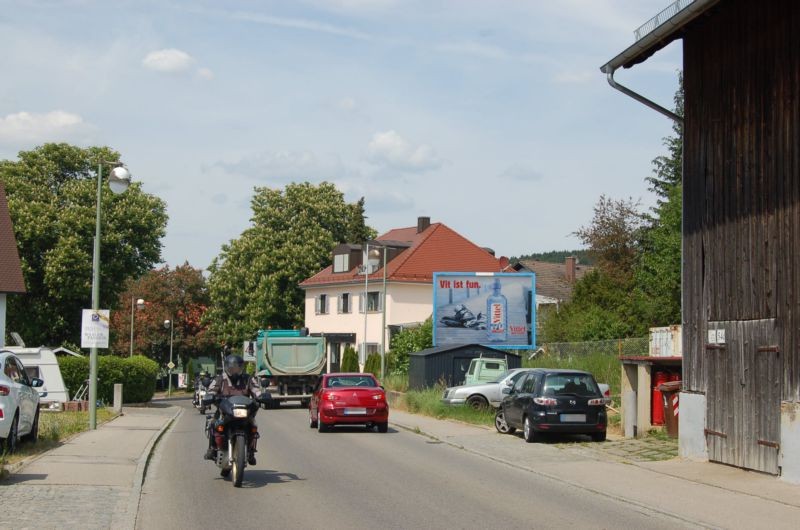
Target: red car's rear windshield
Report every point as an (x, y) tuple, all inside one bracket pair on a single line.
[(350, 380)]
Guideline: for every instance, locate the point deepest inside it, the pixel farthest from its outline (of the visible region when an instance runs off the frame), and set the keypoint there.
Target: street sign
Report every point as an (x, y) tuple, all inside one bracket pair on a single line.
[(94, 328), (171, 365)]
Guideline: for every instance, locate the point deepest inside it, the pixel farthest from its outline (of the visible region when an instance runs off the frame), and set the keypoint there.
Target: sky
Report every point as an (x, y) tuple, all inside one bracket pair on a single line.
[(491, 116)]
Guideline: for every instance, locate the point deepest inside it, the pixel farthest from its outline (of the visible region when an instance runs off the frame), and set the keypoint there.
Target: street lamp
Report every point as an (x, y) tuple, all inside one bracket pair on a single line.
[(376, 254), (170, 325), (139, 305), (118, 180)]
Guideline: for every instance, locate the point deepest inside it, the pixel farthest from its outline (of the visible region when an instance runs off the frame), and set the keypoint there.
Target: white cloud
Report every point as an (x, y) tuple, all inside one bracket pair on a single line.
[(31, 127), (484, 51), (577, 77), (390, 149), (287, 166), (347, 104), (168, 60), (521, 173), (205, 73)]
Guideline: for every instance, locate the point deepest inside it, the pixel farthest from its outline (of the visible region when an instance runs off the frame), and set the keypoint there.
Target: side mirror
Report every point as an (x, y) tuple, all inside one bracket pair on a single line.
[(508, 391), (36, 382)]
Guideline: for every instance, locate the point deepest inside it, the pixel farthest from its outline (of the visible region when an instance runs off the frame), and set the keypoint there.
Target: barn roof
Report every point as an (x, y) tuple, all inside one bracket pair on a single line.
[(451, 347), (658, 32)]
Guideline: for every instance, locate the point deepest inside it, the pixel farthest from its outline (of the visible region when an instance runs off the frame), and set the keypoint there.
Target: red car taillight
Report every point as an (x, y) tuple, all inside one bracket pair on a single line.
[(330, 396), (597, 401), (545, 401), (4, 390)]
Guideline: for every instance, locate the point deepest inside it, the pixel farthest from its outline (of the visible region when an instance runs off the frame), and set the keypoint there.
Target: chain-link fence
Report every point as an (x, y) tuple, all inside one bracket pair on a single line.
[(600, 357), (618, 347)]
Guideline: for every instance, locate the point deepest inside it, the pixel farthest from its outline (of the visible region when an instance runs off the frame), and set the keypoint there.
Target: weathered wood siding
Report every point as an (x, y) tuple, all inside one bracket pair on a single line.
[(741, 183)]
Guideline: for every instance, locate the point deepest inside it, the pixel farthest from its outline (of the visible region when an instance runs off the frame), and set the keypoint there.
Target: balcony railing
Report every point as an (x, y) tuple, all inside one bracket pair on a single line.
[(669, 12)]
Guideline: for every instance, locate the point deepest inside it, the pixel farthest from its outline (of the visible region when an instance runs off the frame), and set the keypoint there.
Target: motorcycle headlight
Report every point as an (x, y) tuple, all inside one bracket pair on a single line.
[(239, 413)]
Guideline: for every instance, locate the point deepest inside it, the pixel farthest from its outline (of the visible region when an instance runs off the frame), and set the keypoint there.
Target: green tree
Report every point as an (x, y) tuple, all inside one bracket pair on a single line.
[(179, 294), (407, 341), (52, 199), (349, 360), (254, 281), (658, 272)]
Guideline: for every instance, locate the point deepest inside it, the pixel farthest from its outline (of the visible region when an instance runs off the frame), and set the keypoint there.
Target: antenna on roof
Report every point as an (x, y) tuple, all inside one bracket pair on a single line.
[(17, 339)]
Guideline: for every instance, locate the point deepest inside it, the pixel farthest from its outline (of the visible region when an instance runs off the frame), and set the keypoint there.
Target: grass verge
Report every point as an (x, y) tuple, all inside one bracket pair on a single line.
[(54, 428), (428, 402)]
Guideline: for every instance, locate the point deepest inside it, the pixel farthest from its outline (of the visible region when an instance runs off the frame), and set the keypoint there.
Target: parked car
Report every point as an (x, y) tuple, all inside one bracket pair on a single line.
[(483, 394), (19, 403), (553, 401), (348, 399)]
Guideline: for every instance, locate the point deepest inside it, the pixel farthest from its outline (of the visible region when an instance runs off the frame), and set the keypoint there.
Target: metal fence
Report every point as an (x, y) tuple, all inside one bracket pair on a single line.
[(634, 346), (668, 12)]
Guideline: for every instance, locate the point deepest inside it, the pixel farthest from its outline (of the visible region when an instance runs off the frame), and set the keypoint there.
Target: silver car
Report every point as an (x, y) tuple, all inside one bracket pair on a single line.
[(483, 394), (19, 403)]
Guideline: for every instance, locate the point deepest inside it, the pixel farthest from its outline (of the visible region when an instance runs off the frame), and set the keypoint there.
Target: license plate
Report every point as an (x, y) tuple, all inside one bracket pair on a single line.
[(573, 418), (354, 412)]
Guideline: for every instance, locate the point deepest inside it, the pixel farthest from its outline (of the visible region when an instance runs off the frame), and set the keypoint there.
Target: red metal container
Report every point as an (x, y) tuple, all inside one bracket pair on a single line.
[(657, 403)]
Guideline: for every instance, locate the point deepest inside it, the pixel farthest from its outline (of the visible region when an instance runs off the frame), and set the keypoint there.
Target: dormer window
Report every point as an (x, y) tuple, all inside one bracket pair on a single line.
[(341, 262)]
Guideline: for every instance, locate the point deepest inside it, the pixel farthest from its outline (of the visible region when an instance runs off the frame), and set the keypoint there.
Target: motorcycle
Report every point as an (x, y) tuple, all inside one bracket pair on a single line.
[(200, 393), (235, 432)]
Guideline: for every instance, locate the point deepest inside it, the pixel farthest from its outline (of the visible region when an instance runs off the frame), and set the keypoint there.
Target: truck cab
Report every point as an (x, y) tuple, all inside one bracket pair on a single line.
[(484, 369)]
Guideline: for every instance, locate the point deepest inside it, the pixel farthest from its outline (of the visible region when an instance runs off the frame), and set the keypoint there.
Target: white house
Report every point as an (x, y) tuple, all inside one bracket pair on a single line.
[(335, 298)]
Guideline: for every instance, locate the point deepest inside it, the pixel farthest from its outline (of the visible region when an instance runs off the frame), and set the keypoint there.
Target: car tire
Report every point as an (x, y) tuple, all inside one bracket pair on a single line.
[(34, 434), (383, 427), (501, 425), (224, 473), (321, 427), (599, 436), (527, 432), (312, 423), (304, 403), (13, 436), (477, 402)]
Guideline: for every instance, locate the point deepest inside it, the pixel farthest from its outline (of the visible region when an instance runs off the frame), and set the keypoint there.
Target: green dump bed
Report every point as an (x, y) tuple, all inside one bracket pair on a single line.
[(284, 355)]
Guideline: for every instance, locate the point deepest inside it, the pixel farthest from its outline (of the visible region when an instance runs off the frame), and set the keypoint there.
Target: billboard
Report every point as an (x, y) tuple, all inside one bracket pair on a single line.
[(494, 309)]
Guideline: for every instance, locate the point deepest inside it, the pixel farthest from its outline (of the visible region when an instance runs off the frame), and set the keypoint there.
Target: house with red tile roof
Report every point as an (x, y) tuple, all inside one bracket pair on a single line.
[(11, 280), (377, 287)]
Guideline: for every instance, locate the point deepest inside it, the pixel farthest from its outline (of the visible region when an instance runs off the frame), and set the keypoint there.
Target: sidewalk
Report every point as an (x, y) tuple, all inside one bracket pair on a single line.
[(92, 481), (696, 493)]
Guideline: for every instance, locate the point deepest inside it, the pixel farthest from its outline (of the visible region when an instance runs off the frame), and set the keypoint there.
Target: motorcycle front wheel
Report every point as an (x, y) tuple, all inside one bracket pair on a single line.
[(239, 454)]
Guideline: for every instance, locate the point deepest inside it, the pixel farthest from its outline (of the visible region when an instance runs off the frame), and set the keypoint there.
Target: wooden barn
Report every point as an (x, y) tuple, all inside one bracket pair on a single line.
[(741, 226)]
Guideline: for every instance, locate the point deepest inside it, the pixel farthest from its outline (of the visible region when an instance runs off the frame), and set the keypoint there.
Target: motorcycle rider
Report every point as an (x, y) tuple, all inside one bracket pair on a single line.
[(232, 382)]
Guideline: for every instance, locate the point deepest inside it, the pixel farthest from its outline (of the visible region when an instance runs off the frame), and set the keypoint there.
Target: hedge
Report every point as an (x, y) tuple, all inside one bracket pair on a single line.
[(349, 360), (373, 365), (137, 375)]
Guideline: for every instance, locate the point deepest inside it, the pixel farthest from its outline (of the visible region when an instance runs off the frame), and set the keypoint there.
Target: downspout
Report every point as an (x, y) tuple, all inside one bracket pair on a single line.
[(641, 99)]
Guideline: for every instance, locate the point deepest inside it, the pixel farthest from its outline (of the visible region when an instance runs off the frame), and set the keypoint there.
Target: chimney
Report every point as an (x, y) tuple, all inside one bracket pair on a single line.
[(422, 224), (569, 268), (489, 250)]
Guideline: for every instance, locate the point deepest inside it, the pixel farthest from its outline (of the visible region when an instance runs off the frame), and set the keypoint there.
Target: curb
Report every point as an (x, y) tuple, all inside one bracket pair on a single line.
[(417, 430), (132, 512)]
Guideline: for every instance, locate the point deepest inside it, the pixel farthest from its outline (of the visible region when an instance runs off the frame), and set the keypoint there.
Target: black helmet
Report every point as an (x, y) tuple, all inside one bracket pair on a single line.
[(234, 366)]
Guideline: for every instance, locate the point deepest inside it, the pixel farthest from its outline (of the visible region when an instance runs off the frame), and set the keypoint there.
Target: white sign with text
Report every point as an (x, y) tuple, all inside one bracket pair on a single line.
[(94, 328)]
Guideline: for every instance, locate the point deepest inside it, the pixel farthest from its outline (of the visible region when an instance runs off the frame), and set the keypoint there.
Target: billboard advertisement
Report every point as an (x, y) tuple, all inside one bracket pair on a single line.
[(493, 309)]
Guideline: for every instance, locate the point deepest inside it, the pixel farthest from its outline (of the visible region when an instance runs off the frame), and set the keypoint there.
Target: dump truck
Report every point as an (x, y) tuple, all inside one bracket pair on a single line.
[(289, 362)]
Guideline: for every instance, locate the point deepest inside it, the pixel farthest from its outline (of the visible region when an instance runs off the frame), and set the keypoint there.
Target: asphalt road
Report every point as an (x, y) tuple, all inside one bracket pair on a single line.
[(353, 478)]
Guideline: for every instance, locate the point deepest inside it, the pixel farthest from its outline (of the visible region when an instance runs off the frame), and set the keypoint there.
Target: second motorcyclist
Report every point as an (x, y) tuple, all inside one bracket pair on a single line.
[(232, 382)]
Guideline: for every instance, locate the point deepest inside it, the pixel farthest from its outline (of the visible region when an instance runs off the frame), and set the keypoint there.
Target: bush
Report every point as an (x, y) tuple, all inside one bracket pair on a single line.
[(349, 360), (190, 375), (137, 374), (373, 365)]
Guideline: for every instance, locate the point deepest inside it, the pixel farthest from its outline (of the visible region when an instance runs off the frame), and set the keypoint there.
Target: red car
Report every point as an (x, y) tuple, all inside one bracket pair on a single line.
[(348, 399)]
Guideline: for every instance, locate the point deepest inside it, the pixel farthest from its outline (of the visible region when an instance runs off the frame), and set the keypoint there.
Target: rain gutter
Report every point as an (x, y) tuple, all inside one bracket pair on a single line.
[(653, 41)]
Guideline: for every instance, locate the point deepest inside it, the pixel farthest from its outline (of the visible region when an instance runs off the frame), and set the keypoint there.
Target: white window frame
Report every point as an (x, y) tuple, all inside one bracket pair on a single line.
[(341, 262), (340, 304), (361, 300), (321, 304)]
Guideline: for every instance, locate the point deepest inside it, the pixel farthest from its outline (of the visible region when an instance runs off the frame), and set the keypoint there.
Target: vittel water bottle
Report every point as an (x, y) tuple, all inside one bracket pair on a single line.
[(497, 315)]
